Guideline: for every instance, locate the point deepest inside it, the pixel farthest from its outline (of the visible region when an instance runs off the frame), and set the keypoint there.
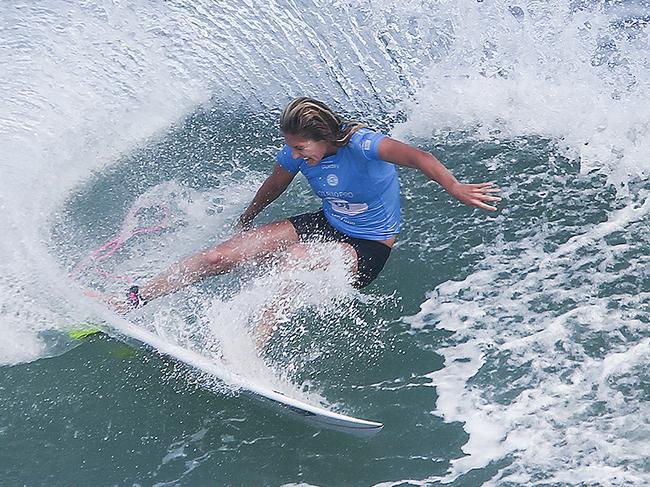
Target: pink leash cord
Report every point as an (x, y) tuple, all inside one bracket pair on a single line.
[(109, 248)]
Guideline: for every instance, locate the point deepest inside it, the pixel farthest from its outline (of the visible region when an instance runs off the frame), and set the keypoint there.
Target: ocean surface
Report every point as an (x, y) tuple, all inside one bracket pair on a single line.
[(499, 349)]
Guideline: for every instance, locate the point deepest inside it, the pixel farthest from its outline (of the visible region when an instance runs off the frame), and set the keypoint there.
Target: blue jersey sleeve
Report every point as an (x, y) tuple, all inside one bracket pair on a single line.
[(365, 142), (286, 160)]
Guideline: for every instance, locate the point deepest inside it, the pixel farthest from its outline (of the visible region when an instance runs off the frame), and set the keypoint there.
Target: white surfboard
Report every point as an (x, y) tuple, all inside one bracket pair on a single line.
[(316, 415)]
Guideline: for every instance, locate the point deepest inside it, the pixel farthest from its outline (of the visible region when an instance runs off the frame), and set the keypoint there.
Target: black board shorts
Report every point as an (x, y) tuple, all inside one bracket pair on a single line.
[(371, 254)]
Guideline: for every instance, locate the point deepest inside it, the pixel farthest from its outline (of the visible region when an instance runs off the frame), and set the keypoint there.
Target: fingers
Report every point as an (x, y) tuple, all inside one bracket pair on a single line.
[(485, 206), (244, 223), (489, 198), (481, 203), (482, 194), (485, 197), (487, 187)]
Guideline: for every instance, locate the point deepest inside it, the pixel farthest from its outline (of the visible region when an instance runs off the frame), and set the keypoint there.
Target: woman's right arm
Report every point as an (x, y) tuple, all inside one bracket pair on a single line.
[(273, 187)]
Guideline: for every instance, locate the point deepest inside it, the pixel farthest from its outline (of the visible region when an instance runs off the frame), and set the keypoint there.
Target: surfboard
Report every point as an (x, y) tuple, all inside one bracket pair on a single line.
[(318, 416)]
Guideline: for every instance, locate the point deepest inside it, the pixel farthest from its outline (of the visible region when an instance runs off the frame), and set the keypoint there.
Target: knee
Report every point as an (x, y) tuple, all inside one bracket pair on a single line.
[(294, 256), (221, 258)]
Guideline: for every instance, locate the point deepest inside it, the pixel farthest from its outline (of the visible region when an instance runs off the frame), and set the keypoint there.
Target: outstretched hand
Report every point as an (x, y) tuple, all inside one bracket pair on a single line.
[(479, 195)]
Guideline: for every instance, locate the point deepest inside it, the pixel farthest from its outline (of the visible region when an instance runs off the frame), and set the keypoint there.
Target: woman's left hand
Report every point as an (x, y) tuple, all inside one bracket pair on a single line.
[(479, 195)]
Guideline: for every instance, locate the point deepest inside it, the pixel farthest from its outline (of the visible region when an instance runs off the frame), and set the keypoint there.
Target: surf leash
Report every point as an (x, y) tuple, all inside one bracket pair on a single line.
[(128, 230)]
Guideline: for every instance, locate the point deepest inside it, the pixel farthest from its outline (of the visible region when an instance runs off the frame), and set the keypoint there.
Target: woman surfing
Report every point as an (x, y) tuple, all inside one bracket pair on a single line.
[(352, 170)]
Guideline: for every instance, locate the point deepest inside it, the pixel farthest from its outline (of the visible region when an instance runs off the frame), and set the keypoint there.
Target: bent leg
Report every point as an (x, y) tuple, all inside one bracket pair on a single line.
[(250, 246), (297, 255)]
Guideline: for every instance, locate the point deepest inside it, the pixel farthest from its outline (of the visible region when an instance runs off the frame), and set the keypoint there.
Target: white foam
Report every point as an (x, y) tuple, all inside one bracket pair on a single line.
[(551, 70), (17, 346), (576, 76), (233, 321), (571, 402), (71, 109)]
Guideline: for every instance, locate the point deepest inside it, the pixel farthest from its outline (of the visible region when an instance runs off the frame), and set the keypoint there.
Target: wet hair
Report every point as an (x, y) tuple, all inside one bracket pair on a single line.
[(312, 119)]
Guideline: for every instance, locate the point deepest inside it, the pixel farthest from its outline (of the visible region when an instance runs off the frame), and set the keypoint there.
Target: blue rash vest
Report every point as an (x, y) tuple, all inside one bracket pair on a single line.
[(360, 191)]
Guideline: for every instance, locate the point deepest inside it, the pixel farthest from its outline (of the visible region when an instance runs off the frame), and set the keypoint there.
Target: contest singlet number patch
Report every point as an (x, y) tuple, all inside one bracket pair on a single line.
[(347, 208)]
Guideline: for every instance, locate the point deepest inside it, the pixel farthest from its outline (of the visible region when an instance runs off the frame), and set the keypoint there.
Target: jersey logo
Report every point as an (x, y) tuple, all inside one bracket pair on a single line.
[(347, 208), (366, 144), (332, 179)]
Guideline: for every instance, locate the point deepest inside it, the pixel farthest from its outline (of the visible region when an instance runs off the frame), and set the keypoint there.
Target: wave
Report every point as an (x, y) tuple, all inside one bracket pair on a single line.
[(558, 309)]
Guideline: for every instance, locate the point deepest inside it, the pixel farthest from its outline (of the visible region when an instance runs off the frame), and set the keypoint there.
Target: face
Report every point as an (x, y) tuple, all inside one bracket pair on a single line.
[(310, 150)]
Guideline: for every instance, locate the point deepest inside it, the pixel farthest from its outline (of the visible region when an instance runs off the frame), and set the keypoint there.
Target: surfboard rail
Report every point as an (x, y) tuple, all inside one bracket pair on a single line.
[(316, 415)]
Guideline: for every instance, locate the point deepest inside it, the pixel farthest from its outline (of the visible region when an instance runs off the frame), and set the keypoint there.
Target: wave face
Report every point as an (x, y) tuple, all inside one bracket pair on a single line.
[(88, 83), (534, 329)]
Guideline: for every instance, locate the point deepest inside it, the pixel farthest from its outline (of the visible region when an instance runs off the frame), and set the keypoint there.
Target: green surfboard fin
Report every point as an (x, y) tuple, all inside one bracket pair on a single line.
[(81, 333)]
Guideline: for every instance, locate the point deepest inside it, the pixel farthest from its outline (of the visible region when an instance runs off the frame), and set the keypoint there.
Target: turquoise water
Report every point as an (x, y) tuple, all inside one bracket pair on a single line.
[(505, 348)]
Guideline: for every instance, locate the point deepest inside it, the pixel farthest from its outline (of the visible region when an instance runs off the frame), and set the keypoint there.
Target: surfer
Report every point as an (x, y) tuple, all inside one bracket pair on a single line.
[(352, 169)]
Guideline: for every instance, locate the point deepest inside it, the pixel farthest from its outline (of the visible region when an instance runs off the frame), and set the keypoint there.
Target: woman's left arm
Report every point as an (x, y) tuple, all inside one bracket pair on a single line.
[(479, 195)]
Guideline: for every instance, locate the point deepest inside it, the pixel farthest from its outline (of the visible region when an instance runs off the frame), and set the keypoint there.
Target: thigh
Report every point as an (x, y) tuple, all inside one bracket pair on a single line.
[(256, 243), (312, 255)]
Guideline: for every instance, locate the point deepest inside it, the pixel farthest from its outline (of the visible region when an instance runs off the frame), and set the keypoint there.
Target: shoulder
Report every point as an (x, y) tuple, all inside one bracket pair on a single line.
[(284, 153), (365, 142), (286, 160)]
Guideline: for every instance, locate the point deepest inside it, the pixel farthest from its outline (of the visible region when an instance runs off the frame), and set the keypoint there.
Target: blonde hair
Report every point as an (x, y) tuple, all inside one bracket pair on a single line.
[(312, 119)]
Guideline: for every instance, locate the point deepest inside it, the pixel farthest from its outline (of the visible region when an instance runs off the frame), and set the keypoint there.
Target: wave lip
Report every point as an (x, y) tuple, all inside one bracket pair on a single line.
[(578, 75)]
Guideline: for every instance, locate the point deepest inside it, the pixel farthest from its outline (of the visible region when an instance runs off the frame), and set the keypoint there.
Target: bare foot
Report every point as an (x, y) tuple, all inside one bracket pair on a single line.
[(118, 305)]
